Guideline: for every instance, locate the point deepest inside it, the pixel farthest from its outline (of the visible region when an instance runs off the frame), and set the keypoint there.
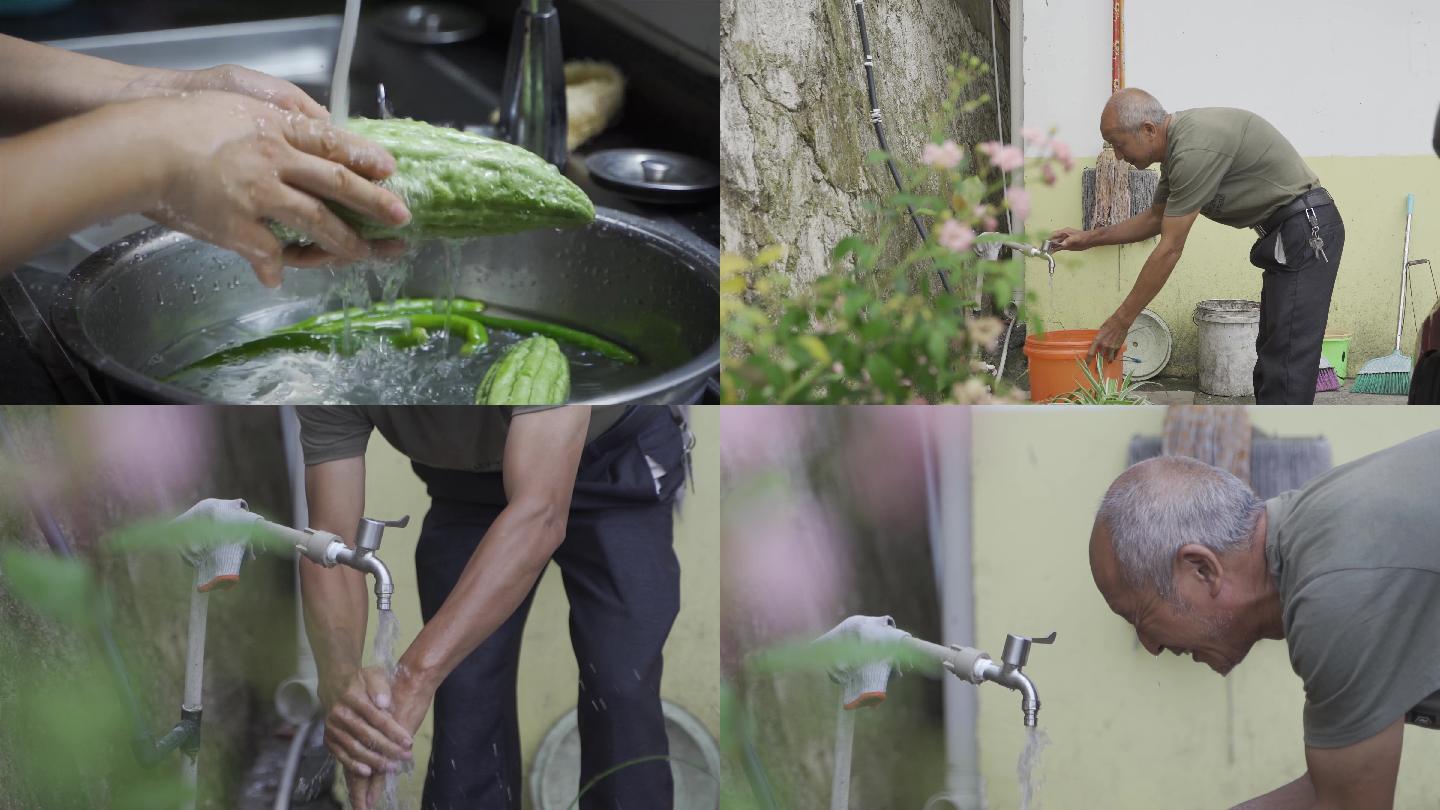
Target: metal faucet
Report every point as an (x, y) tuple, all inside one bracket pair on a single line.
[(991, 250), (329, 550), (532, 98), (1014, 656), (864, 682)]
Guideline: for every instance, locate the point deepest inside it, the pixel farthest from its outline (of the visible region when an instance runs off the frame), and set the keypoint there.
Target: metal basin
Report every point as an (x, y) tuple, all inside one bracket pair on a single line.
[(149, 304)]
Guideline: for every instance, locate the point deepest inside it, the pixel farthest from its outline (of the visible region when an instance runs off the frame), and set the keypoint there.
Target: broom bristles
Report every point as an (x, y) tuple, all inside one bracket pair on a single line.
[(1114, 191), (1112, 188)]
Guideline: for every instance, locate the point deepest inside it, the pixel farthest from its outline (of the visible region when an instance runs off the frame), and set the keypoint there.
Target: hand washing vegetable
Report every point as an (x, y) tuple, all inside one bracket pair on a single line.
[(532, 372), (457, 184)]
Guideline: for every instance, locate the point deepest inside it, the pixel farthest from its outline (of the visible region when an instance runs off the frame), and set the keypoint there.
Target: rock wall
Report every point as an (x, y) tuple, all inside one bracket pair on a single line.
[(795, 120)]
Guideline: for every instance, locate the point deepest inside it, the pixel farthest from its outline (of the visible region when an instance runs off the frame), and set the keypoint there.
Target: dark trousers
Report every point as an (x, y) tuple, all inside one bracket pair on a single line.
[(1294, 306), (623, 584)]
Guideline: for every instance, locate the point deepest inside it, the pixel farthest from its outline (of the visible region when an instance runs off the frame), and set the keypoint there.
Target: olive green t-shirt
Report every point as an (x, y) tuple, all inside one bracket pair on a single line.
[(1230, 165), (1355, 555), (452, 437)]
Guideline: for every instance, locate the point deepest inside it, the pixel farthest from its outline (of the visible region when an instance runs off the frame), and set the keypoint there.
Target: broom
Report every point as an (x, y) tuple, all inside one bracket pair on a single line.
[(1327, 379), (1391, 374)]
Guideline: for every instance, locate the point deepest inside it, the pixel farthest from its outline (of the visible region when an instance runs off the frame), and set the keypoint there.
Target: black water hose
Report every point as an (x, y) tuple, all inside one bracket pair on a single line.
[(60, 545), (875, 118)]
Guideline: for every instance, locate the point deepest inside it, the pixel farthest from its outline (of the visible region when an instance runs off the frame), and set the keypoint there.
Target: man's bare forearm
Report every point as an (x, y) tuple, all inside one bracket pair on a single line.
[(1298, 795), (542, 454), (1138, 228), (337, 603), (495, 581), (40, 84)]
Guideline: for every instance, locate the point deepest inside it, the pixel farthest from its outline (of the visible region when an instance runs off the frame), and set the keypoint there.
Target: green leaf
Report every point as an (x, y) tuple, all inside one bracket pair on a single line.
[(815, 348), (882, 373), (61, 589)]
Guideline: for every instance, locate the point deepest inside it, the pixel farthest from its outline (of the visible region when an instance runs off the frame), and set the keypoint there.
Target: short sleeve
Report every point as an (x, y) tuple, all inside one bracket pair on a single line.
[(331, 433), (1162, 189), (1366, 643), (1192, 180)]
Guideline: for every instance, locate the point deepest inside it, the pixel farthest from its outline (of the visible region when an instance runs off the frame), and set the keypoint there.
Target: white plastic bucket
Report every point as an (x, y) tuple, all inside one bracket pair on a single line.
[(1227, 332)]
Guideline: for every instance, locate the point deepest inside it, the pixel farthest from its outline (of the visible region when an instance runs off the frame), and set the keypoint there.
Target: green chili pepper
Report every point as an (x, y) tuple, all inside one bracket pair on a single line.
[(583, 339)]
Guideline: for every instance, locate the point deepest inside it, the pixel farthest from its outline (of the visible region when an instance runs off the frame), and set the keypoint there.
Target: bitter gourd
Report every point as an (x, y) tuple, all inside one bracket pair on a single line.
[(532, 372), (458, 184)]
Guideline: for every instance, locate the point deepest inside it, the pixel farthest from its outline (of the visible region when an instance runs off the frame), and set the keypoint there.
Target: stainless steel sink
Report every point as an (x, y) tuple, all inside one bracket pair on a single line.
[(300, 50)]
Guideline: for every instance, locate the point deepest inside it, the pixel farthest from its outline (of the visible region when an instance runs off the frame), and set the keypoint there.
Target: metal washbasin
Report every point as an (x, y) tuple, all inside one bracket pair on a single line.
[(150, 304)]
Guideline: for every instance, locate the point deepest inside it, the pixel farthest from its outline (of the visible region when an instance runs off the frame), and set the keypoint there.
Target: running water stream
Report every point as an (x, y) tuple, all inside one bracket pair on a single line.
[(387, 633), (1035, 742)]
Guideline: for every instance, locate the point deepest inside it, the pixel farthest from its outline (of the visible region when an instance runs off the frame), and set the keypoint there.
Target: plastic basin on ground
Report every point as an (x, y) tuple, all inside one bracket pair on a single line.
[(1056, 359)]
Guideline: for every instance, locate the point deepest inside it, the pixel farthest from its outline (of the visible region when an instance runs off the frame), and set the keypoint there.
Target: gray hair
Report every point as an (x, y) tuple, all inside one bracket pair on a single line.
[(1135, 107), (1162, 504)]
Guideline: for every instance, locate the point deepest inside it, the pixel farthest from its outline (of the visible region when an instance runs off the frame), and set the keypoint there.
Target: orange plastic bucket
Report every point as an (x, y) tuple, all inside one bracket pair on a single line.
[(1053, 357)]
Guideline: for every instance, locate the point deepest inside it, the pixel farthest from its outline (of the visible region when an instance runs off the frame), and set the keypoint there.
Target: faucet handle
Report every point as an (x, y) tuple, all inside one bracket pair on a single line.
[(367, 536), (1017, 648)]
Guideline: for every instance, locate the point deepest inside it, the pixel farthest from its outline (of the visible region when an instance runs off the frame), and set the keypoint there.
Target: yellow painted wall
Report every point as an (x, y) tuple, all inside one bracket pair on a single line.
[(548, 674), (1371, 193), (1129, 730)]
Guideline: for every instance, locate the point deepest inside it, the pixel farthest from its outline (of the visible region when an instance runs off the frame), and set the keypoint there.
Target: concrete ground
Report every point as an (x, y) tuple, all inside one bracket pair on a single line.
[(1186, 391)]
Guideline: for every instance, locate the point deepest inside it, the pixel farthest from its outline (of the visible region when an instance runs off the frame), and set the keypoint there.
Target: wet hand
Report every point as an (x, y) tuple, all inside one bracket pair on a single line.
[(247, 82), (1110, 343), (363, 734), (223, 165), (1069, 239)]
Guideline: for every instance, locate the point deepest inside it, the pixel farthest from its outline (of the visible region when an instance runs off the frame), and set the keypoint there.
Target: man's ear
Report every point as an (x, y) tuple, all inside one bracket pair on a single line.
[(1198, 563)]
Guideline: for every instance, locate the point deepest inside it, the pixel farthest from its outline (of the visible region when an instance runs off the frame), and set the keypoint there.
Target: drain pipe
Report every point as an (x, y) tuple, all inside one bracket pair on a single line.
[(948, 515), (1017, 120), (297, 699)]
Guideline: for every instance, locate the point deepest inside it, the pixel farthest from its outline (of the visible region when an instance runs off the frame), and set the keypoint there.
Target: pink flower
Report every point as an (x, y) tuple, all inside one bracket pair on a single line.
[(1032, 135), (1005, 158), (941, 156), (1049, 174), (980, 213), (1019, 201), (1061, 151), (955, 236), (991, 223)]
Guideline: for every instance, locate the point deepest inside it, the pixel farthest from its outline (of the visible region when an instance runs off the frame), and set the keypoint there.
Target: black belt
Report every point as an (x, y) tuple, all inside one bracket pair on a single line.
[(1314, 198)]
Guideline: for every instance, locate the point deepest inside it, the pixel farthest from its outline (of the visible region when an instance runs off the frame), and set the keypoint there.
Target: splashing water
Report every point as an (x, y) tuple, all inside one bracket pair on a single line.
[(1035, 742)]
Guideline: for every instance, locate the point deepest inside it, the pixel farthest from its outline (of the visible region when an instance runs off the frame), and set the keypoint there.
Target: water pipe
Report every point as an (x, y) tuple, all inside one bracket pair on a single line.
[(948, 501), (297, 698), (877, 120), (864, 682), (217, 561)]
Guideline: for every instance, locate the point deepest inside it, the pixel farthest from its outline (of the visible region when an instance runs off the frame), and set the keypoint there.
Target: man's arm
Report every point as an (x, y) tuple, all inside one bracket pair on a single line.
[(1142, 226), (542, 456), (1138, 228), (337, 604), (1157, 269), (1357, 777)]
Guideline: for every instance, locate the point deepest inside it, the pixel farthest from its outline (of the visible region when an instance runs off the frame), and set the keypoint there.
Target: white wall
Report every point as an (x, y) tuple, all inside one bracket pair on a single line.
[(1337, 77)]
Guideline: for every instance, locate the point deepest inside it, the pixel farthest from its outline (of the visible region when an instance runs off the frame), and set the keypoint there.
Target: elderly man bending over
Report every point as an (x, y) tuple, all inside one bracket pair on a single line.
[(1346, 571)]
